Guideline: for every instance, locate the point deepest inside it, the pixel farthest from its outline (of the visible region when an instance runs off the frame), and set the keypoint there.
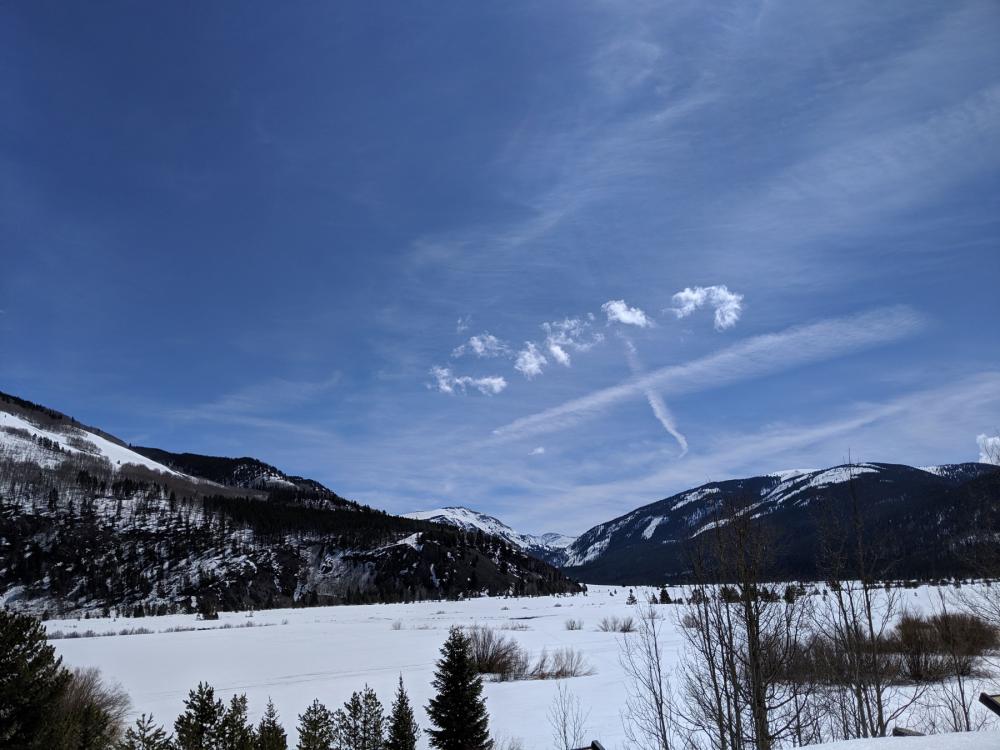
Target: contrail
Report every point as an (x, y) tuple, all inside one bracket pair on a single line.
[(754, 357), (656, 402)]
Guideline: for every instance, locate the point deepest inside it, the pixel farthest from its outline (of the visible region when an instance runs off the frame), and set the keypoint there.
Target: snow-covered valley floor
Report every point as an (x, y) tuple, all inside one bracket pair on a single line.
[(296, 655)]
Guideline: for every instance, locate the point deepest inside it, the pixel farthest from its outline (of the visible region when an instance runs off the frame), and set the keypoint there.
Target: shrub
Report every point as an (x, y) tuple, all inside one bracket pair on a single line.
[(513, 625), (572, 624), (563, 663), (496, 654), (507, 660), (616, 625), (916, 640), (89, 713)]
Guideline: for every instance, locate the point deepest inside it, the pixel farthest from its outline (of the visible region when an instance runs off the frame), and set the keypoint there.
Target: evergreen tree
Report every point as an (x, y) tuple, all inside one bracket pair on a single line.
[(458, 711), (403, 728), (32, 680), (200, 726), (270, 734), (236, 732), (146, 735), (360, 724), (664, 595), (316, 728)]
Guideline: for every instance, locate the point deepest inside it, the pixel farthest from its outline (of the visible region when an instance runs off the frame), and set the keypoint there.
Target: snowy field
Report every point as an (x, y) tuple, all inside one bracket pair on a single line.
[(296, 655)]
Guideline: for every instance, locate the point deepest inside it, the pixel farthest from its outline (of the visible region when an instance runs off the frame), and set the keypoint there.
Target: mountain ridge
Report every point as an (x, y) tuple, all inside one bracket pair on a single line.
[(89, 524), (549, 547)]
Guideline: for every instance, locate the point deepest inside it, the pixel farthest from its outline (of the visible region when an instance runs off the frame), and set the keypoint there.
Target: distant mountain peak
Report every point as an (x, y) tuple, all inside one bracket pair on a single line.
[(549, 547)]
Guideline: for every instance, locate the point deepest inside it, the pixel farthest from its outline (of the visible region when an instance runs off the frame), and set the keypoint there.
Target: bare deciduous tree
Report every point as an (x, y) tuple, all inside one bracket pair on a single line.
[(649, 714), (567, 719), (855, 624)]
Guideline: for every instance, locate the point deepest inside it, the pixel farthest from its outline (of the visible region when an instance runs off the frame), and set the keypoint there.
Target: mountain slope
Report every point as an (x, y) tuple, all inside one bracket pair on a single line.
[(249, 473), (88, 524), (549, 547), (918, 517)]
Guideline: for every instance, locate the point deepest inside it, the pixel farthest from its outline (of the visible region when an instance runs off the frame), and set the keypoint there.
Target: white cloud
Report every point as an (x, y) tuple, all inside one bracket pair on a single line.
[(539, 451), (618, 312), (989, 449), (753, 357), (656, 402), (484, 345), (530, 361), (463, 324), (566, 334), (447, 382), (728, 305)]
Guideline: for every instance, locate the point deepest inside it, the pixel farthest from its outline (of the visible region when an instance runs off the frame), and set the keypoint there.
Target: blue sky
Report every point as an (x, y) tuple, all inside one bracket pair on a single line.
[(343, 238)]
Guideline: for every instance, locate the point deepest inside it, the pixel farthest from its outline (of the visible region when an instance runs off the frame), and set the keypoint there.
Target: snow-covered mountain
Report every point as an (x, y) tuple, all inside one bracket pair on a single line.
[(550, 547), (920, 512), (89, 523), (50, 443)]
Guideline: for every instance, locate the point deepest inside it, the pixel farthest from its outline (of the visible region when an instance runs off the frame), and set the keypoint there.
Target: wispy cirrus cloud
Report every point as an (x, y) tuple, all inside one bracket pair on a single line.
[(897, 429), (728, 305), (445, 381), (751, 358), (618, 312), (260, 406)]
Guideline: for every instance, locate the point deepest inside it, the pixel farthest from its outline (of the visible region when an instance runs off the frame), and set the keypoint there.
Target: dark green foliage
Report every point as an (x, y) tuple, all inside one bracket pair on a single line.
[(403, 727), (236, 732), (458, 710), (316, 728), (360, 724), (664, 595), (270, 734), (146, 735), (31, 681), (199, 727)]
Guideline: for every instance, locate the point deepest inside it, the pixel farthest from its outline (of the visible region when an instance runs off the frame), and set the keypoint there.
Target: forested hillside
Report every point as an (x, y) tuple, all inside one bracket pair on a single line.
[(84, 529)]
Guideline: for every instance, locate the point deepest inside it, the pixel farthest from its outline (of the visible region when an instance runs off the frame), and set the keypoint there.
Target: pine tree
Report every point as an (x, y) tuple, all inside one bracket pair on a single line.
[(664, 595), (236, 732), (31, 681), (270, 734), (200, 726), (360, 724), (146, 735), (316, 728), (403, 728), (458, 711)]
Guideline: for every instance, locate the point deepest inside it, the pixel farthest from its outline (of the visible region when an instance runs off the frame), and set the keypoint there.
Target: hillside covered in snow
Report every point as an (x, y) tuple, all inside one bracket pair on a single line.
[(89, 524), (550, 547), (924, 521)]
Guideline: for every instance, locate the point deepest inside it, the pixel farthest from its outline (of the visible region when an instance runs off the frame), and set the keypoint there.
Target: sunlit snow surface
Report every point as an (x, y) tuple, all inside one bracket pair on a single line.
[(296, 655), (93, 445)]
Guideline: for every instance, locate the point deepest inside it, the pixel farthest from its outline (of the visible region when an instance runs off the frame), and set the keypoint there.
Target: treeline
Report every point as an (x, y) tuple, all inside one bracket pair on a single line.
[(84, 536), (47, 707)]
